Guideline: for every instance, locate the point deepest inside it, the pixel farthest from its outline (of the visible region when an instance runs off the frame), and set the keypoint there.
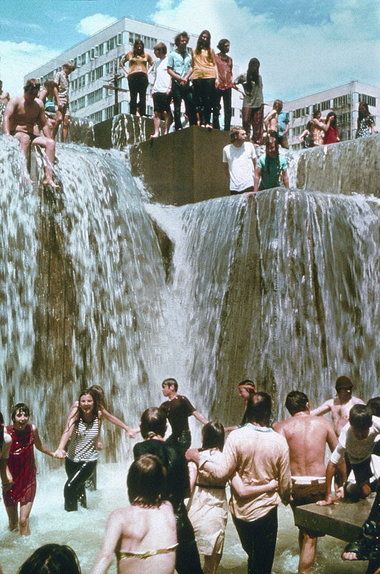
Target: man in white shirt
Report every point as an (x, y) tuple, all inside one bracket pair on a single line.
[(258, 455), (161, 91), (356, 440), (239, 159)]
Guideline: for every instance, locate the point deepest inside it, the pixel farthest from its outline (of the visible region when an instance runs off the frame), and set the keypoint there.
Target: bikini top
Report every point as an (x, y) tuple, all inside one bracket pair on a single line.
[(144, 555)]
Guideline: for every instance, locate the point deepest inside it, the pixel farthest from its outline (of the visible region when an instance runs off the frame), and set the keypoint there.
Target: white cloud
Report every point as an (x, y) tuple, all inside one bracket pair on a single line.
[(296, 59), (19, 58), (92, 24)]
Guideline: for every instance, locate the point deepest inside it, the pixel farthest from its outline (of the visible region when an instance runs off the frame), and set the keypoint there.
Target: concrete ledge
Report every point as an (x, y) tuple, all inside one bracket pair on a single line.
[(182, 167), (343, 520)]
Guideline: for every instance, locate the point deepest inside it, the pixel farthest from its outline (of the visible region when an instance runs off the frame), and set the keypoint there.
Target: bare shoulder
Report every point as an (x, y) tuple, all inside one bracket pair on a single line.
[(7, 438)]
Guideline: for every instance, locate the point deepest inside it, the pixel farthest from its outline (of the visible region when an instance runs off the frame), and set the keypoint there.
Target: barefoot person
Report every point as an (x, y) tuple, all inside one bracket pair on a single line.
[(177, 410), (21, 117), (239, 162), (61, 80), (307, 437), (22, 468), (143, 535)]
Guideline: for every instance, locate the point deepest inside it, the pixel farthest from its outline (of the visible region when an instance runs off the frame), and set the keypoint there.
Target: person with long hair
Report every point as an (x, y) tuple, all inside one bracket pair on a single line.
[(205, 78), (332, 131), (179, 69), (98, 394), (22, 468), (224, 64), (143, 535), (253, 101), (366, 121), (208, 504), (81, 458), (51, 559), (137, 75)]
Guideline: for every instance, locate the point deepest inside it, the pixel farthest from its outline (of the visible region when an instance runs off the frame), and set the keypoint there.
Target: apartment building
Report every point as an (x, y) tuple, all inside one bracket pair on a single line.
[(343, 100), (97, 69)]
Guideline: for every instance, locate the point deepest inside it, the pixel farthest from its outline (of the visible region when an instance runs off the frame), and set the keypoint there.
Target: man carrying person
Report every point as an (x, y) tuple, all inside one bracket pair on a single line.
[(357, 441), (63, 115), (177, 410), (224, 64), (258, 455), (21, 117), (180, 69), (272, 167), (239, 160), (307, 437)]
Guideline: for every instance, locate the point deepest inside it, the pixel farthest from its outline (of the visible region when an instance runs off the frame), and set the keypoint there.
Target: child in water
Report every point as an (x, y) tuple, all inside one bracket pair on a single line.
[(22, 468)]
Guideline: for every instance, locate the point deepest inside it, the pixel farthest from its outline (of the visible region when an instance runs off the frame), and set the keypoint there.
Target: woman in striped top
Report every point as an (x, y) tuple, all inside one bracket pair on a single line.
[(82, 454)]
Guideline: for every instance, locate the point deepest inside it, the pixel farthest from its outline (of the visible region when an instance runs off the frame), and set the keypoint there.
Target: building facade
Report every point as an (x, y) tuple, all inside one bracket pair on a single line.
[(343, 100), (97, 69)]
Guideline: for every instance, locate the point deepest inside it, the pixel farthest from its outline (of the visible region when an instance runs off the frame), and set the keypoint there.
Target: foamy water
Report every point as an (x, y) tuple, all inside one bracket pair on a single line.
[(83, 530)]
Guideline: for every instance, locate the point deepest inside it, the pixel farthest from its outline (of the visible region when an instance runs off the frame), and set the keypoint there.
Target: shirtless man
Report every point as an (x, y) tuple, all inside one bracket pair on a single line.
[(340, 405), (307, 436), (61, 80), (21, 117)]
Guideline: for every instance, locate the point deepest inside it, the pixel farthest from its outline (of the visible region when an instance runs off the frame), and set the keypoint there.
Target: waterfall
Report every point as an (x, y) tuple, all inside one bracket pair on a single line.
[(100, 286)]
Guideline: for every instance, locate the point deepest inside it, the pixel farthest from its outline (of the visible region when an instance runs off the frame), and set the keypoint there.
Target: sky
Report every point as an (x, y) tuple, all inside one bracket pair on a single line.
[(304, 46)]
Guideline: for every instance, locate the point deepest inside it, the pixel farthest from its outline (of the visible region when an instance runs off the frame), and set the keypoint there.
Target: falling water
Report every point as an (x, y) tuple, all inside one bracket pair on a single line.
[(101, 286)]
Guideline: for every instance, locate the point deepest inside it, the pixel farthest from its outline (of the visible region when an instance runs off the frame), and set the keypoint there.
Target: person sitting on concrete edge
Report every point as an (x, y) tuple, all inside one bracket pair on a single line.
[(22, 117), (239, 160), (357, 440), (272, 168)]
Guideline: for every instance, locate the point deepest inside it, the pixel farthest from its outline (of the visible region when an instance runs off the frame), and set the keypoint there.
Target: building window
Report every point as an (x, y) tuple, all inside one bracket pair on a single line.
[(95, 74), (100, 49), (341, 101), (316, 108), (112, 67), (95, 96), (325, 105), (111, 43), (96, 117), (369, 100), (78, 104), (109, 112)]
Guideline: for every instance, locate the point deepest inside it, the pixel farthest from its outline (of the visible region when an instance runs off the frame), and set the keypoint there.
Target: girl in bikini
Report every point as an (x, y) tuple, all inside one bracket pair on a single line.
[(143, 535)]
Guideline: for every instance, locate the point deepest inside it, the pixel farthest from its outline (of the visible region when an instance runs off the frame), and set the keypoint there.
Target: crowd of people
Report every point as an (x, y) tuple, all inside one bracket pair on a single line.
[(199, 79), (178, 503)]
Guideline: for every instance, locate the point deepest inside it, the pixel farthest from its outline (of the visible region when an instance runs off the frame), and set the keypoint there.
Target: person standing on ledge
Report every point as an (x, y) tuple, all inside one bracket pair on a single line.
[(272, 168), (177, 410), (223, 91), (61, 79), (307, 437), (180, 70), (21, 117), (239, 159)]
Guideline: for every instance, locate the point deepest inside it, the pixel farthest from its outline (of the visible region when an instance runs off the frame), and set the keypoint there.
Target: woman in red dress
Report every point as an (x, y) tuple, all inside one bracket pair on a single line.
[(22, 468)]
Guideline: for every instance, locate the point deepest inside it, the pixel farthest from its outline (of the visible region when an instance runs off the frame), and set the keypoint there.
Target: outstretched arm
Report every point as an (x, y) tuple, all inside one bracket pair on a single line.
[(38, 444), (200, 417), (60, 452), (8, 113), (330, 471), (249, 490), (322, 410), (110, 541), (119, 423)]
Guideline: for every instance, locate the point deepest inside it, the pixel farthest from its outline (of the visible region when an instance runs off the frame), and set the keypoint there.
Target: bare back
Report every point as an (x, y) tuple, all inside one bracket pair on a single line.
[(24, 115), (149, 533), (307, 437)]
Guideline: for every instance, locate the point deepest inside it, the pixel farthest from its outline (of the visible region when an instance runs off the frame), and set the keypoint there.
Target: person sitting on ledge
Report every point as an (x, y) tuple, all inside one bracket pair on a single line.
[(21, 117), (357, 440), (272, 167), (239, 160)]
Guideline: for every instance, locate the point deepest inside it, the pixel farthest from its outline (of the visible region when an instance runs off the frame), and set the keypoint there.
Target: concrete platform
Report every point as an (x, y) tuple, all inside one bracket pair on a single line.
[(342, 520)]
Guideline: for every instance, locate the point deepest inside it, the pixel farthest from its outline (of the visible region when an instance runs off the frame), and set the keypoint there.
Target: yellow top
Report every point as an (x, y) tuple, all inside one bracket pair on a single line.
[(204, 65)]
